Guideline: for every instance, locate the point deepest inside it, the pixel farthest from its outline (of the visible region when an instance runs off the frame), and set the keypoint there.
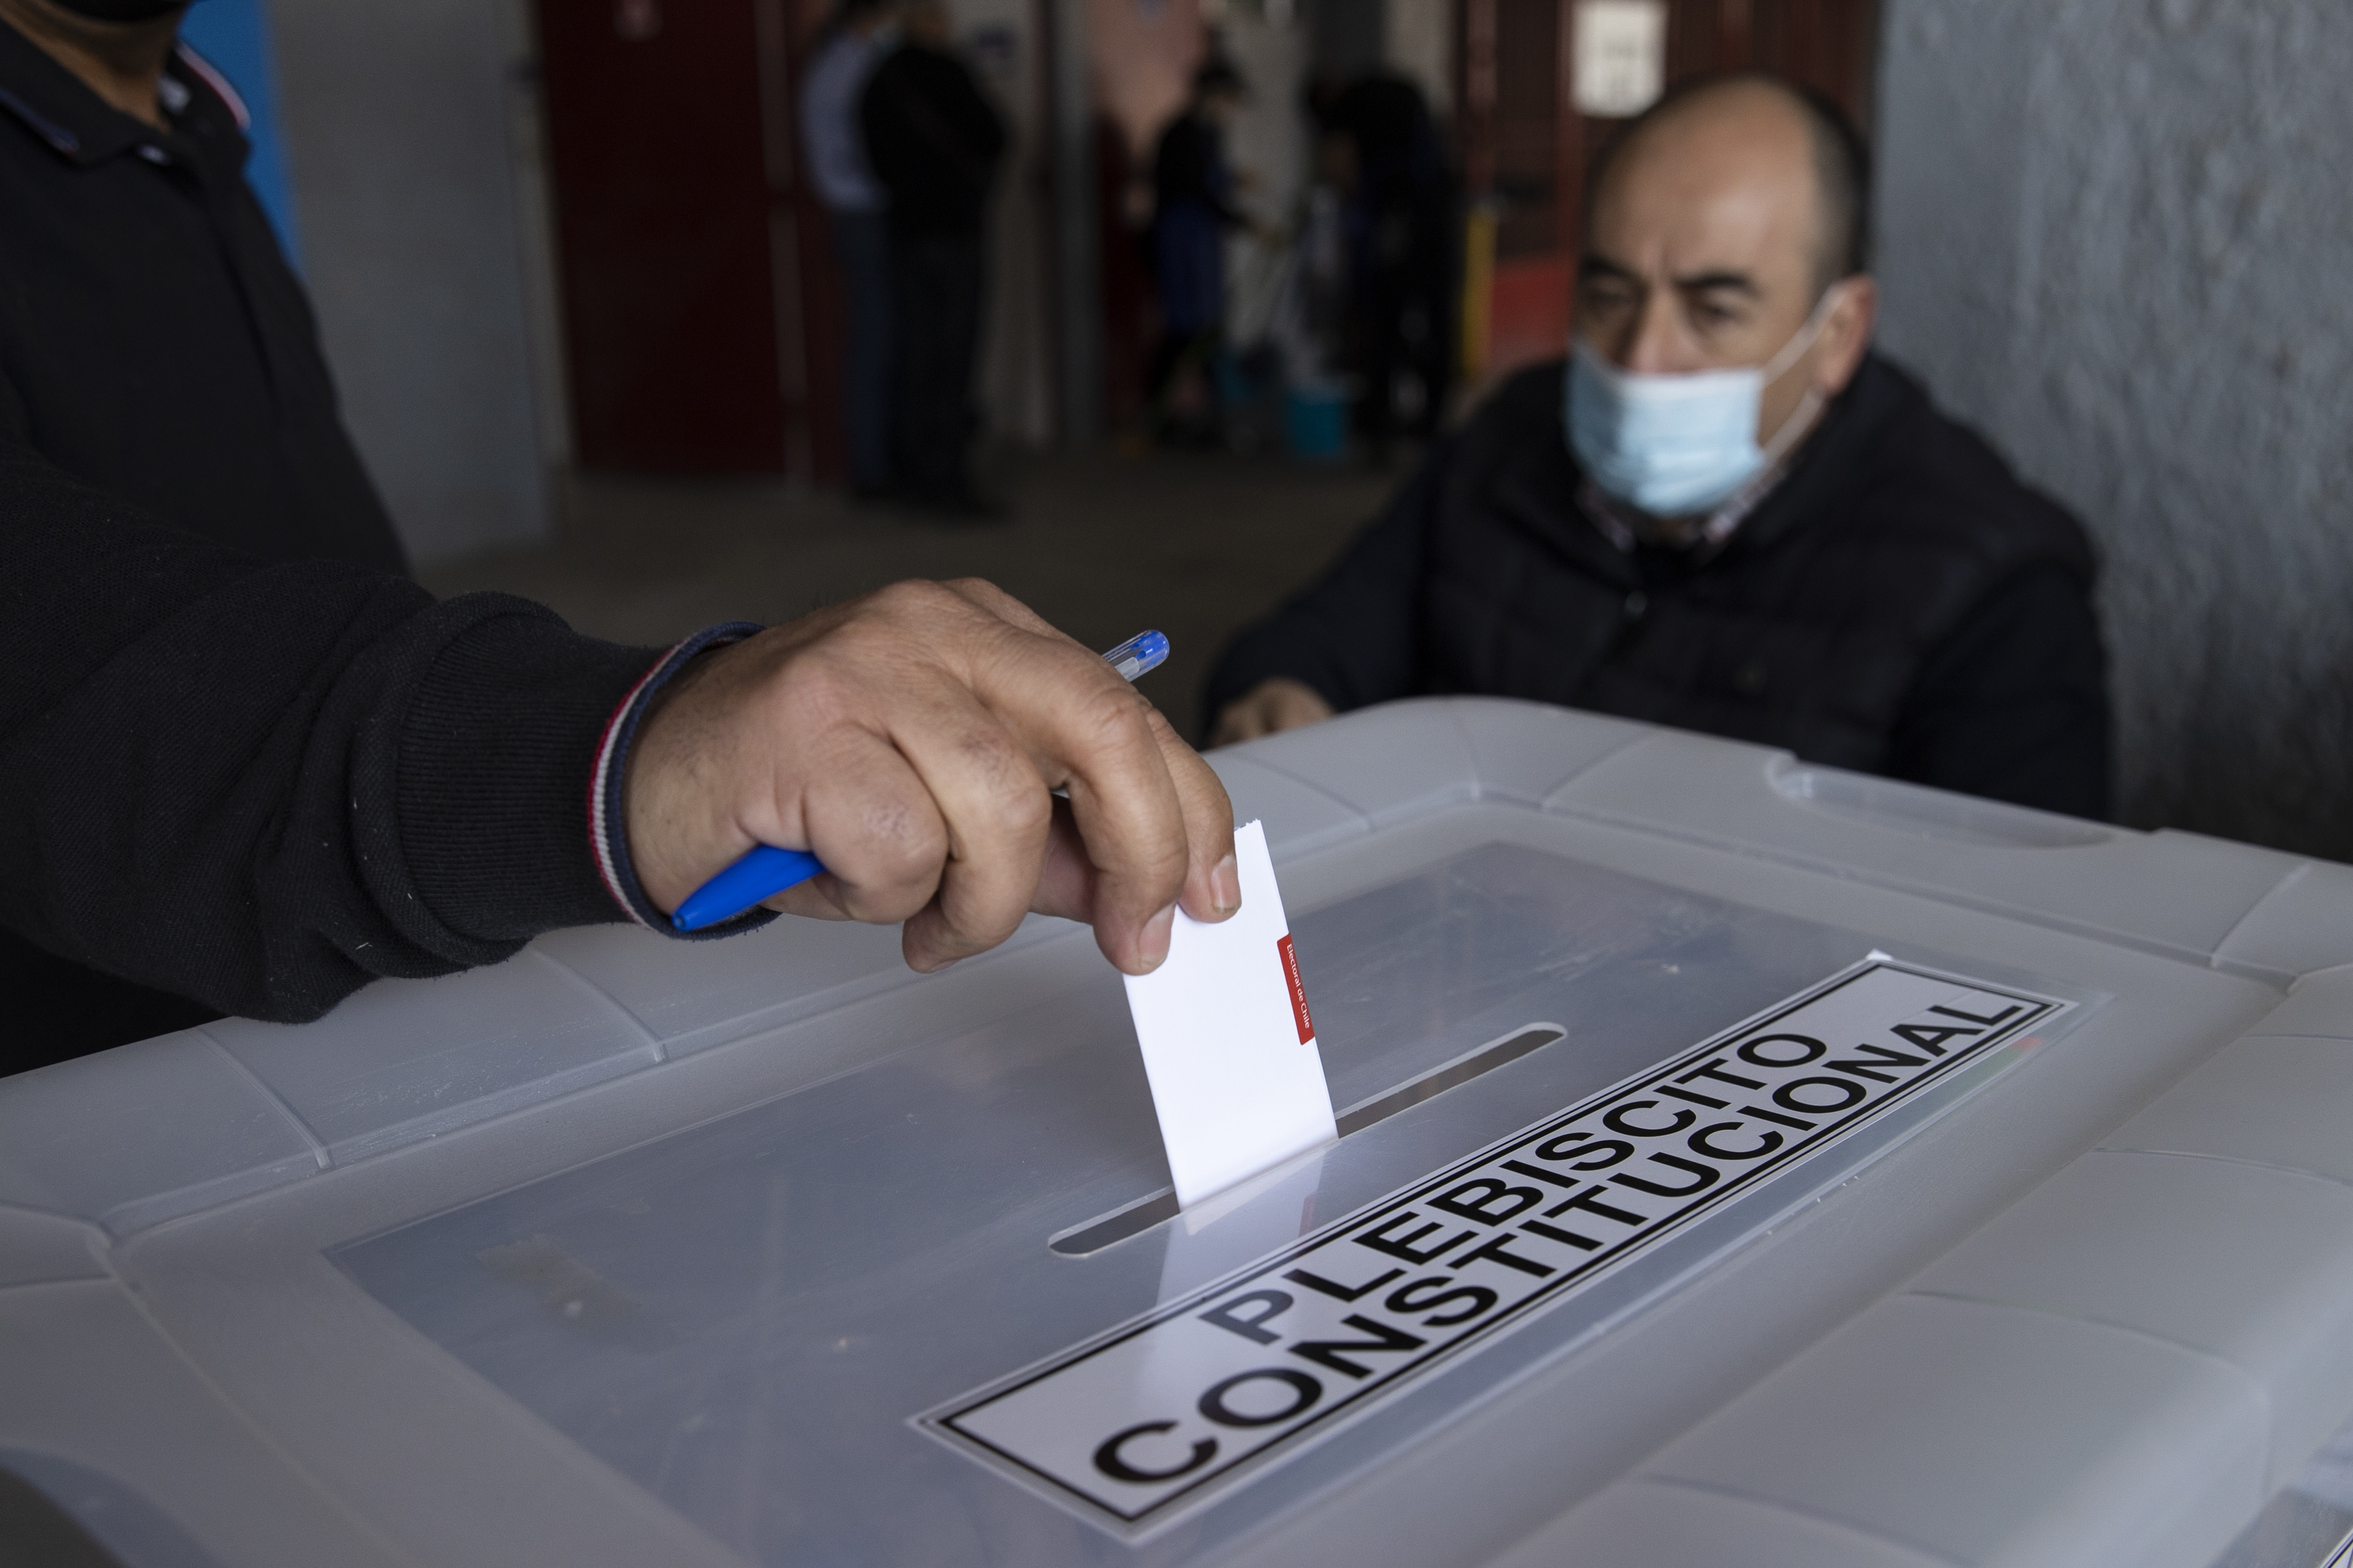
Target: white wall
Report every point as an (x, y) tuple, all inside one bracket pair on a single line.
[(424, 247), (2117, 237), (1420, 44), (1268, 139), (1347, 36), (1015, 382), (1269, 148)]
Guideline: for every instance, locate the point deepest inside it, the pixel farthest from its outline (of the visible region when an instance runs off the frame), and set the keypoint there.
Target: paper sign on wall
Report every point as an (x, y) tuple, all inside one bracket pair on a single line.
[(1620, 51), (1229, 1041)]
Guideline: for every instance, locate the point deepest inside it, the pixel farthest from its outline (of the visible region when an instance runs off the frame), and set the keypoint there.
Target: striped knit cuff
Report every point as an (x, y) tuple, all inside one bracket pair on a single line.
[(608, 831)]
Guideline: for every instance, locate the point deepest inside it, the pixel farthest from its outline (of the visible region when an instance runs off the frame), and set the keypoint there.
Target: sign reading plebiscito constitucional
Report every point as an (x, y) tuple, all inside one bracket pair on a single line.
[(1164, 1413)]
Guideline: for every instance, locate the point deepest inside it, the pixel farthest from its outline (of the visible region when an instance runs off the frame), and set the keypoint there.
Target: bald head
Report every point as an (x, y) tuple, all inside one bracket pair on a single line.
[(1756, 126), (1723, 231)]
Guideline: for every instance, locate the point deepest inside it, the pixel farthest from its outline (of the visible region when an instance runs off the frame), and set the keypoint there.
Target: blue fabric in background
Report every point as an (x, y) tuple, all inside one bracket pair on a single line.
[(234, 36)]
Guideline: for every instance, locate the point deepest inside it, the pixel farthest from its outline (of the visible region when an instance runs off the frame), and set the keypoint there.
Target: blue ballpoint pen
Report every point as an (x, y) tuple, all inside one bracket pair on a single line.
[(764, 871)]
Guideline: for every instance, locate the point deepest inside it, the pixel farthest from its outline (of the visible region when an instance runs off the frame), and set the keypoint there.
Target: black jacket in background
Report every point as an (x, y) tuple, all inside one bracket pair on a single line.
[(1900, 604), (260, 785), (1188, 165), (932, 140), (152, 340)]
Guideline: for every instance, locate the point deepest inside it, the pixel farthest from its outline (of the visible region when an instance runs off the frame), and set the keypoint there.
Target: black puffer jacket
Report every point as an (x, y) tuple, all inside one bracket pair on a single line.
[(1900, 604)]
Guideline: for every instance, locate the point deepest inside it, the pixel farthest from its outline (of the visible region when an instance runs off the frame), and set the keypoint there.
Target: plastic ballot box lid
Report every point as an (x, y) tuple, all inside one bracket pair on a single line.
[(1739, 1159)]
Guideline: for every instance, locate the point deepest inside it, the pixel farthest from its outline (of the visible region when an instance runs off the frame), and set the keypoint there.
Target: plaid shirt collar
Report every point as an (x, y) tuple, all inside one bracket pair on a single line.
[(1699, 537)]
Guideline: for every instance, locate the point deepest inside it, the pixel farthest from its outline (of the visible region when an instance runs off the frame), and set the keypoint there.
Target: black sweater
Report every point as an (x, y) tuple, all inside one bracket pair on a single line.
[(154, 343), (1899, 604), (1188, 165), (932, 140), (260, 786), (152, 340)]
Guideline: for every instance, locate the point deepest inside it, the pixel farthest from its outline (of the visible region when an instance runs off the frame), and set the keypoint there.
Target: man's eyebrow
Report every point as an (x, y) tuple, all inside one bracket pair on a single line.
[(1707, 282), (1592, 266)]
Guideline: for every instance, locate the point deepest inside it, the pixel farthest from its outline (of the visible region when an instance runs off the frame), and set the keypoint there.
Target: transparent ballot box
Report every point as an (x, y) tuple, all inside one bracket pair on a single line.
[(1738, 1158)]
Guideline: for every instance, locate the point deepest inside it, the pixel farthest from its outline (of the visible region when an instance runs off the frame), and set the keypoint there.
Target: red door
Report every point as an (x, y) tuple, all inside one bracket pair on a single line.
[(680, 235)]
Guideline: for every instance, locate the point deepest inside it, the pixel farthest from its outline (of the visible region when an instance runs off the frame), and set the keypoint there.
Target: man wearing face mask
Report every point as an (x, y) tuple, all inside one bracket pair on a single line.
[(153, 343), (1723, 513)]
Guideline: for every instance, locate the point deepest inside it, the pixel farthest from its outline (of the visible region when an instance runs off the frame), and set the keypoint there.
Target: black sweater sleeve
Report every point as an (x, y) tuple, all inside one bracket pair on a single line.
[(1354, 636), (2013, 706), (262, 785)]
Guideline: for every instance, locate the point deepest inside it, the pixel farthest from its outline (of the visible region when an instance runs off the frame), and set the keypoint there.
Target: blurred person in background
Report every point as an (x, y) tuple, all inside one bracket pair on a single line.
[(1402, 240), (935, 142), (1724, 512), (154, 345), (1193, 191), (856, 37)]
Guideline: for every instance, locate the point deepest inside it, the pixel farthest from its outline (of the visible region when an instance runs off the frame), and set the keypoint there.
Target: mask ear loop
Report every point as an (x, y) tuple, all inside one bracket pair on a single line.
[(1801, 419)]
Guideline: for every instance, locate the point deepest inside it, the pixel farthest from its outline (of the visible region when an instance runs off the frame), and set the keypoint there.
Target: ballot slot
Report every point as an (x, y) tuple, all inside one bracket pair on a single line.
[(1135, 1219), (1453, 1075)]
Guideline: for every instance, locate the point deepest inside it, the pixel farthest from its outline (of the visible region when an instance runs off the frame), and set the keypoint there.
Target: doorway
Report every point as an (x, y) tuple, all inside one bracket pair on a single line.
[(695, 324)]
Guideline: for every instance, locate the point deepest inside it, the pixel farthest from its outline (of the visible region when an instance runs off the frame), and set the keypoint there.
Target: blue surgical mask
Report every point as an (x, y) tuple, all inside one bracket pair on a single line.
[(1674, 444)]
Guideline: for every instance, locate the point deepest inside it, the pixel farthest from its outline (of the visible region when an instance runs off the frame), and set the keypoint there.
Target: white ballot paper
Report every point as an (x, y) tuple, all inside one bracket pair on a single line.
[(1228, 1041)]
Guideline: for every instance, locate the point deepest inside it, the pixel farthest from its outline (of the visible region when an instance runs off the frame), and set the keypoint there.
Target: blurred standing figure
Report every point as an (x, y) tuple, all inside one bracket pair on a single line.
[(1192, 206), (1402, 245), (857, 37), (934, 142)]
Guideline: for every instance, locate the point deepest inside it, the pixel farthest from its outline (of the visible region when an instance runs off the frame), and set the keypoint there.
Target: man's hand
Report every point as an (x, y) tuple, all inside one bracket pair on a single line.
[(1274, 704), (909, 739)]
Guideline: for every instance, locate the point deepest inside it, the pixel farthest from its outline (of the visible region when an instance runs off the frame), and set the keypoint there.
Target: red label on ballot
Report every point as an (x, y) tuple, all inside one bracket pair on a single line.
[(1298, 992)]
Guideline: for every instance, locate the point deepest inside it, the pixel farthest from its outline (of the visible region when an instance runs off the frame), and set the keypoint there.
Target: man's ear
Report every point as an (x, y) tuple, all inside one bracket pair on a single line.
[(1846, 334)]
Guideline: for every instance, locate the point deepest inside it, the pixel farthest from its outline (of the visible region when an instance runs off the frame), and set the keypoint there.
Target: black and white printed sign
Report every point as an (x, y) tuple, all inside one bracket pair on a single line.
[(1164, 1413)]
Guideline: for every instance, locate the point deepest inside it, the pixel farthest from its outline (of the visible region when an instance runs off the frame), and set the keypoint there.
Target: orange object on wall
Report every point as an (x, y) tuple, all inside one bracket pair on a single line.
[(1528, 321)]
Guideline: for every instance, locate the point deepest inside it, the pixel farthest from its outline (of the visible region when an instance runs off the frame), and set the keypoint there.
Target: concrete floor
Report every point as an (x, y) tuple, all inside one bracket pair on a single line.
[(1102, 545)]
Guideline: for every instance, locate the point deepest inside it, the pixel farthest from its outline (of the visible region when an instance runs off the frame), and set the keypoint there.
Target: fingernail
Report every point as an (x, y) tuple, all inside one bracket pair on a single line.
[(1226, 887), (1153, 951)]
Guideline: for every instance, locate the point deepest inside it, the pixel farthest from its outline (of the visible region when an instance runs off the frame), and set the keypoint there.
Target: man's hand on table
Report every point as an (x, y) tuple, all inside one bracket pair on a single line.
[(1274, 704), (909, 739)]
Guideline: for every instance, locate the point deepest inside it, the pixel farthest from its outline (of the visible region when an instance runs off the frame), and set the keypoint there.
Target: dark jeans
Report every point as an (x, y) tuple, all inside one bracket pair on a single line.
[(939, 290), (862, 243)]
